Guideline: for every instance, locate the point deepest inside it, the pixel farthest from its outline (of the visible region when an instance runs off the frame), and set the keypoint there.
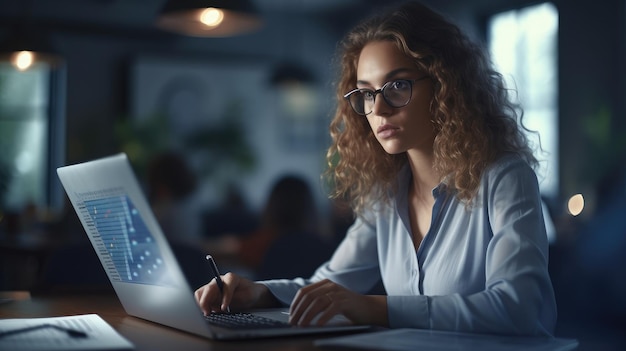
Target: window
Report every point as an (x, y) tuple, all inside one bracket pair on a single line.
[(31, 137), (523, 45)]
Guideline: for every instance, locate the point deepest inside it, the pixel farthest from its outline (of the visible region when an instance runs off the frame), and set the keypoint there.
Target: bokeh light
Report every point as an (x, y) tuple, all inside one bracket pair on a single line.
[(576, 204)]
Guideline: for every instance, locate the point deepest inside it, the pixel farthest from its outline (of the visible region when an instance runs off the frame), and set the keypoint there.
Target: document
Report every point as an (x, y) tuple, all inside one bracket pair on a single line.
[(432, 340), (81, 332)]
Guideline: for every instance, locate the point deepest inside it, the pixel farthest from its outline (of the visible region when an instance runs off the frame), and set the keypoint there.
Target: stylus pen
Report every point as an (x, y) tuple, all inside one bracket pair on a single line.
[(218, 277), (74, 333)]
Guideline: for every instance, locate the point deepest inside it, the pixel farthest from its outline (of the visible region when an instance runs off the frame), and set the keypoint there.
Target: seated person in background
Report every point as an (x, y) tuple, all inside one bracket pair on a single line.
[(231, 218), (287, 244), (171, 189), (427, 147), (171, 184)]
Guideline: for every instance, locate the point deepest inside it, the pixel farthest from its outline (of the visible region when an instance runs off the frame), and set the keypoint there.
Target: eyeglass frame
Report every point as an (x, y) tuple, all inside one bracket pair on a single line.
[(380, 91)]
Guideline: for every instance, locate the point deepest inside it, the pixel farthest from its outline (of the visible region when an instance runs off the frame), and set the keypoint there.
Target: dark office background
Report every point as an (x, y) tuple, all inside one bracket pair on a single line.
[(111, 47)]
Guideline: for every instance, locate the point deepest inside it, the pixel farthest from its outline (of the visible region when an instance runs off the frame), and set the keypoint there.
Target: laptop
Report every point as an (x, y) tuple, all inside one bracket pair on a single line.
[(140, 263)]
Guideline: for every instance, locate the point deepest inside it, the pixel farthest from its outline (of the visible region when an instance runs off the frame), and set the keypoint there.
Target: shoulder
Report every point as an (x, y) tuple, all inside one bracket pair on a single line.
[(508, 165), (383, 198), (509, 179)]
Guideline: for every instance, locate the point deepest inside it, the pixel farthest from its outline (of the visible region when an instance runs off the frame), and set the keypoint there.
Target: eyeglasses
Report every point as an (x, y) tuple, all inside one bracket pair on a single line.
[(396, 93)]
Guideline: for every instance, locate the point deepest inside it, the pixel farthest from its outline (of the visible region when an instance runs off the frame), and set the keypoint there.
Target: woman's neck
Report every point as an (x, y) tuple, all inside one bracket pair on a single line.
[(424, 179)]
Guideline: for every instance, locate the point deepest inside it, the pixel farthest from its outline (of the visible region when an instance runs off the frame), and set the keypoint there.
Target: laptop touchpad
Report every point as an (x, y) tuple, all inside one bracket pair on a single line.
[(283, 316)]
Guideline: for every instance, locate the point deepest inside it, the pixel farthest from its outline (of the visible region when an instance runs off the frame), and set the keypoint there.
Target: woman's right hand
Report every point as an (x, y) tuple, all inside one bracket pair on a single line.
[(239, 293)]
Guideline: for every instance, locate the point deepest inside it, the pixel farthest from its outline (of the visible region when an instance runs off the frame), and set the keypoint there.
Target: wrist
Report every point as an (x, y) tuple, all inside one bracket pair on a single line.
[(376, 311), (265, 298)]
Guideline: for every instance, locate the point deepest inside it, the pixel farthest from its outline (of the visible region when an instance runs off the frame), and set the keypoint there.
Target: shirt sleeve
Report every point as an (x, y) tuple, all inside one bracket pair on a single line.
[(354, 265), (517, 285)]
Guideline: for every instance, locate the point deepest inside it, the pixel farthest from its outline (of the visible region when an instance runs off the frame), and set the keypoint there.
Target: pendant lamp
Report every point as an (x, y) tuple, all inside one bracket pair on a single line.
[(209, 18), (26, 47), (27, 44)]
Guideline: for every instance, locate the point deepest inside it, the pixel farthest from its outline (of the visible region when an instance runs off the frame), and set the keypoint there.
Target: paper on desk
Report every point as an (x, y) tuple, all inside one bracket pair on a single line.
[(100, 335), (417, 339)]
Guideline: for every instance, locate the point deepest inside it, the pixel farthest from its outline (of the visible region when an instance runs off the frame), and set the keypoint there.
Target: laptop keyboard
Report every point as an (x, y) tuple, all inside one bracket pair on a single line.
[(243, 321)]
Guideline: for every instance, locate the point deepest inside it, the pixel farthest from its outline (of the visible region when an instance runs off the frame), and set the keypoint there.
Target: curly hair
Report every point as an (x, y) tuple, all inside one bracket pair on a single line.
[(474, 120)]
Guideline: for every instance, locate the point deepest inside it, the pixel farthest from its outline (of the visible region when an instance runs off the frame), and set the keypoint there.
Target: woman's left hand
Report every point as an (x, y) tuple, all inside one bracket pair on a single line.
[(321, 301)]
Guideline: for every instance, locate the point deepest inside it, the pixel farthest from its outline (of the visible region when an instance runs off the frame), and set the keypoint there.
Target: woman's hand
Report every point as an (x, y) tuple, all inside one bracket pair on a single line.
[(239, 293), (325, 299)]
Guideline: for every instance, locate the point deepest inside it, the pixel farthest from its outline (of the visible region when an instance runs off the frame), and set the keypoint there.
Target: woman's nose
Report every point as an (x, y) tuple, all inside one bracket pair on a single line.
[(381, 107)]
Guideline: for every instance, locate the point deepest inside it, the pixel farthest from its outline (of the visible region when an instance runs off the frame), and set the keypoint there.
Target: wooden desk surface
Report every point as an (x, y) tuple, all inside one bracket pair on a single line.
[(143, 334)]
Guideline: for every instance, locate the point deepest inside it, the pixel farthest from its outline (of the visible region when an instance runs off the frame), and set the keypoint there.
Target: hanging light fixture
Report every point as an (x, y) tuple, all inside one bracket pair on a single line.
[(26, 47), (296, 89), (27, 44), (209, 18)]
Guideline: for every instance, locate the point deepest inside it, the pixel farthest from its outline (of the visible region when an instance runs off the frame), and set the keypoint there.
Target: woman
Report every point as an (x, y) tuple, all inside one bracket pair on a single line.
[(440, 175)]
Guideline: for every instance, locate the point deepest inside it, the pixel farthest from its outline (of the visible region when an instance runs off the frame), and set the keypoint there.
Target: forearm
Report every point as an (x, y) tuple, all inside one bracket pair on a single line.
[(511, 310)]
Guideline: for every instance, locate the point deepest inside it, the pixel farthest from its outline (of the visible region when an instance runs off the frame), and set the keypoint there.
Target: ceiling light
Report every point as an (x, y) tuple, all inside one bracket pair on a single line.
[(25, 48), (212, 17), (209, 18), (296, 90)]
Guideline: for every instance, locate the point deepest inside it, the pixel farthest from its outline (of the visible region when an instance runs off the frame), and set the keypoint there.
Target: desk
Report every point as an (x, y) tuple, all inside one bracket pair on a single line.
[(143, 334)]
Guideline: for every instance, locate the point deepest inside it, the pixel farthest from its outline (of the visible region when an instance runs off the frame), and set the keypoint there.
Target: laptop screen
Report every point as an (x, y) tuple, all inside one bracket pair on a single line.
[(124, 240)]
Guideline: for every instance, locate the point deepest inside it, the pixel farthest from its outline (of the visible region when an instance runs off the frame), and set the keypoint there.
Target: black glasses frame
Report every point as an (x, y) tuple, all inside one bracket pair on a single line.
[(382, 92)]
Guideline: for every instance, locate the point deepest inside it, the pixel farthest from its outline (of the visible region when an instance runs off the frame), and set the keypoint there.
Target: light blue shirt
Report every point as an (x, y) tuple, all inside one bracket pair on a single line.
[(481, 269)]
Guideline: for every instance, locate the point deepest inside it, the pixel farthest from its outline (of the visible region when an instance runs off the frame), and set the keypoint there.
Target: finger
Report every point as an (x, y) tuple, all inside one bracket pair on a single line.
[(230, 282), (303, 294), (210, 298), (305, 298), (299, 304), (325, 316), (198, 295), (320, 306), (202, 298)]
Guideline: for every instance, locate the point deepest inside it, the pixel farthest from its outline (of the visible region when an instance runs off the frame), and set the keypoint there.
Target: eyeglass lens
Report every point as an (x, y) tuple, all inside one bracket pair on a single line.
[(396, 93)]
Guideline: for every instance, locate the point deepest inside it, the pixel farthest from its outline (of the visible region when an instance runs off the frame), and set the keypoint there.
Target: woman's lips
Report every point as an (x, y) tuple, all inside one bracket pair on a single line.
[(386, 131)]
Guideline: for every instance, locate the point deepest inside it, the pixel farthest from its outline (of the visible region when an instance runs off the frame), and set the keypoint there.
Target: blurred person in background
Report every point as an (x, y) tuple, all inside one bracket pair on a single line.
[(171, 187), (288, 242)]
